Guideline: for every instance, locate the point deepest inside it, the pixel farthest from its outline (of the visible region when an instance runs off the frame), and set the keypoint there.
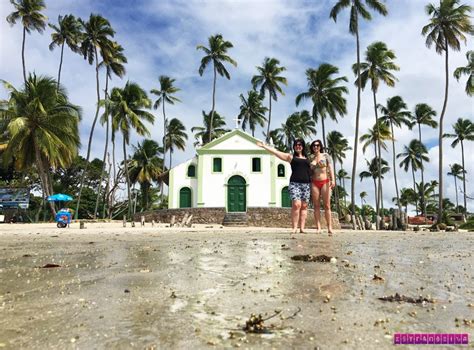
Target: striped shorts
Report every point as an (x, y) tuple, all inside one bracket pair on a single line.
[(299, 191)]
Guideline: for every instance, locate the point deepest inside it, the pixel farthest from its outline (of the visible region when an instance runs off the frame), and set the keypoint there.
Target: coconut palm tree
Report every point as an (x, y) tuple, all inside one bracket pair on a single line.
[(29, 12), (297, 125), (463, 130), (326, 94), (342, 175), (127, 110), (448, 24), (395, 113), (337, 145), (407, 196), (363, 196), (412, 157), (217, 54), (469, 71), (146, 165), (113, 62), (176, 136), (269, 80), (201, 133), (457, 172), (68, 31), (165, 95), (374, 173), (379, 63), (357, 8), (96, 38), (252, 112), (42, 127)]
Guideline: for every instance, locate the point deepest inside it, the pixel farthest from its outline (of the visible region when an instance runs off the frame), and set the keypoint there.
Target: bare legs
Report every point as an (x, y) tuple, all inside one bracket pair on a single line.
[(325, 193), (299, 212)]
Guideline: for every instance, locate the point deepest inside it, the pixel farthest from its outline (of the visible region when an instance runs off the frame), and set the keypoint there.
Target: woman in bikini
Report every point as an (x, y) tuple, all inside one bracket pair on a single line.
[(323, 181), (300, 181)]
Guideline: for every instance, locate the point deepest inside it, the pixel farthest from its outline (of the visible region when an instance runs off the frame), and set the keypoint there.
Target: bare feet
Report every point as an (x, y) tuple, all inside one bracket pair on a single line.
[(293, 231), (330, 233), (302, 231)]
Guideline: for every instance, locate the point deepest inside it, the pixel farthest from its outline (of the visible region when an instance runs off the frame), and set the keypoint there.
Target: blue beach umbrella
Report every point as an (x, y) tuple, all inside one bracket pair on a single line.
[(59, 197)]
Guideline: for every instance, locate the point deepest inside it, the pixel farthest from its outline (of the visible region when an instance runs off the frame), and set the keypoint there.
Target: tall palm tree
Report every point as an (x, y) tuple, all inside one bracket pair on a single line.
[(377, 68), (357, 8), (146, 166), (412, 157), (217, 54), (336, 148), (326, 94), (68, 31), (43, 128), (96, 38), (165, 95), (463, 130), (456, 170), (113, 61), (407, 196), (127, 109), (252, 112), (363, 196), (375, 171), (29, 12), (201, 133), (176, 136), (342, 175), (469, 71), (297, 125), (269, 80), (395, 113), (446, 28)]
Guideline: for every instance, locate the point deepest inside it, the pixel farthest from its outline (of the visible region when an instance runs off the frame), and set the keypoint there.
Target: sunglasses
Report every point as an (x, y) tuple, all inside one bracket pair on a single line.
[(298, 145), (316, 145)]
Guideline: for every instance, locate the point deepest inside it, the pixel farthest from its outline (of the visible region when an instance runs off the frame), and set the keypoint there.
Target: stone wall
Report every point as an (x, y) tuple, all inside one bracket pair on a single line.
[(264, 217)]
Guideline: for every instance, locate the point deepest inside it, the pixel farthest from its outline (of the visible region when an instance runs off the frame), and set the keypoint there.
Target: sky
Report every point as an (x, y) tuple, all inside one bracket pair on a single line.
[(160, 38)]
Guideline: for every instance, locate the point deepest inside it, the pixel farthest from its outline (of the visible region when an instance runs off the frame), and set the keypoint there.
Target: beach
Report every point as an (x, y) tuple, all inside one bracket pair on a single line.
[(107, 286)]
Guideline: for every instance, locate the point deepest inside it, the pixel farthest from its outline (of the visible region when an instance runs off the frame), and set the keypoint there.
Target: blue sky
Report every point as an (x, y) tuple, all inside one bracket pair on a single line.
[(160, 37)]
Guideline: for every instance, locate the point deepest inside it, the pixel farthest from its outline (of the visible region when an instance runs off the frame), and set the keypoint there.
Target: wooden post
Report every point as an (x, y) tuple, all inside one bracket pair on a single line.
[(173, 219), (81, 225), (124, 223), (152, 223), (133, 223), (142, 220)]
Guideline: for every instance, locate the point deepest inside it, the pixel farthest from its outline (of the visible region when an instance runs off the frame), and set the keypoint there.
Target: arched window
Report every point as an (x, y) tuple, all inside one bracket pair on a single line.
[(192, 170), (281, 170)]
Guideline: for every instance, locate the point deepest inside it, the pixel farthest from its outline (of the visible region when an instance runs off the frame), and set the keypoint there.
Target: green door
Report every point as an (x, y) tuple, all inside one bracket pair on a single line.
[(285, 198), (236, 196), (185, 197)]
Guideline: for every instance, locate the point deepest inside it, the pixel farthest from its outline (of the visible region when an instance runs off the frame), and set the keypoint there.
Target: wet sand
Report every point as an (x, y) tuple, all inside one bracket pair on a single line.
[(160, 288)]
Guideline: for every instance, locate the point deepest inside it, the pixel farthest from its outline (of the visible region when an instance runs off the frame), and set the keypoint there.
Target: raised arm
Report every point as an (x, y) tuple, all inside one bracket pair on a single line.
[(287, 157)]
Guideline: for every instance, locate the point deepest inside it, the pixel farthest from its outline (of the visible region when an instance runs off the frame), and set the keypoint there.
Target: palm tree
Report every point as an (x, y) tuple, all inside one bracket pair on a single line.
[(269, 80), (357, 9), (202, 132), (43, 128), (325, 93), (297, 125), (423, 115), (375, 173), (379, 63), (447, 26), (342, 175), (67, 32), (127, 112), (456, 171), (146, 166), (407, 196), (175, 137), (414, 155), (363, 196), (113, 62), (337, 145), (395, 113), (252, 111), (165, 95), (469, 71), (217, 54), (29, 11), (97, 34), (463, 130)]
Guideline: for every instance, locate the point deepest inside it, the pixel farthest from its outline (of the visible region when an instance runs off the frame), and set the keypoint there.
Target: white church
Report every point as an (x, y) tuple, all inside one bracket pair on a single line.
[(230, 172)]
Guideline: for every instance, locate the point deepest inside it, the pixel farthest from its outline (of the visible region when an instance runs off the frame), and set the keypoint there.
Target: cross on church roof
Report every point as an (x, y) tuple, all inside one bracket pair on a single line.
[(237, 122)]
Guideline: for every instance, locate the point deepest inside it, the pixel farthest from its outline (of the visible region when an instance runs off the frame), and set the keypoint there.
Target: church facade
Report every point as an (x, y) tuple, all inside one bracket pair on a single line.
[(230, 172)]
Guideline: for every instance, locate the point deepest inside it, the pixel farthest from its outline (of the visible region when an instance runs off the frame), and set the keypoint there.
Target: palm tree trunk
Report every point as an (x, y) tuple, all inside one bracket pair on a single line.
[(422, 177), (336, 192), (213, 103), (164, 150), (463, 179), (376, 199), (395, 168), (107, 189), (60, 64), (104, 158), (43, 178), (379, 159), (324, 131), (91, 134), (456, 191), (23, 54), (269, 116), (414, 190), (440, 138), (128, 178), (377, 190), (356, 137)]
